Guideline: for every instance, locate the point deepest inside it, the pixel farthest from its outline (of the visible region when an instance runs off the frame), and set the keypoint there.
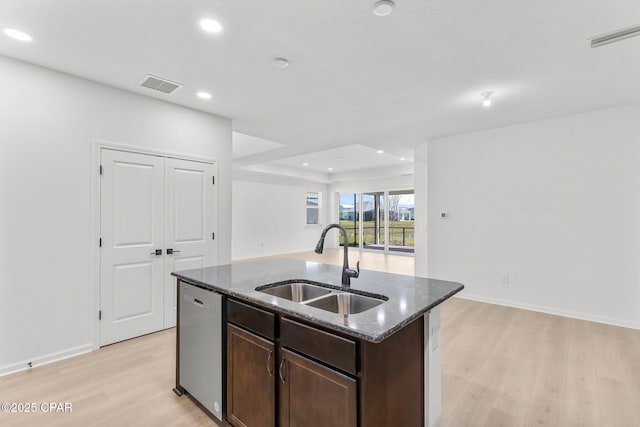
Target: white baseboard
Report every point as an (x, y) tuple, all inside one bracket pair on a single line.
[(44, 360), (554, 311)]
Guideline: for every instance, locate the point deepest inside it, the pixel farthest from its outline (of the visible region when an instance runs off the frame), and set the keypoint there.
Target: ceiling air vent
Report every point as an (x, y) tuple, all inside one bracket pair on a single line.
[(615, 36), (159, 84)]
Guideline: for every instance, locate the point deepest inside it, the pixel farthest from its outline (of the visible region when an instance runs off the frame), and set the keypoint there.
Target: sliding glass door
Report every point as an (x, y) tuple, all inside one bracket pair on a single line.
[(373, 235), (379, 220), (349, 215), (401, 221)]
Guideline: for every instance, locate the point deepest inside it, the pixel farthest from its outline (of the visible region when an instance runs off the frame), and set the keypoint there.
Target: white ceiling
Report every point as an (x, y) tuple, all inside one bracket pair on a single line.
[(342, 159), (246, 145), (354, 78)]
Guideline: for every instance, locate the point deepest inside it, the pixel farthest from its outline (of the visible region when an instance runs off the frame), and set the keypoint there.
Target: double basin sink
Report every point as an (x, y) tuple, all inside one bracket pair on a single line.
[(320, 296)]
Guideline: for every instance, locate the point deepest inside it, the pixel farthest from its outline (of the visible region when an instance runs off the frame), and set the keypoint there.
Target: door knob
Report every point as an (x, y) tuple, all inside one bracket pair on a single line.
[(157, 252), (171, 252)]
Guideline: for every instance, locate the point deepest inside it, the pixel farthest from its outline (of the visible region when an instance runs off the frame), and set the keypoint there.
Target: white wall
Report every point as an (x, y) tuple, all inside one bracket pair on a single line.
[(421, 203), (551, 207), (269, 216), (49, 123)]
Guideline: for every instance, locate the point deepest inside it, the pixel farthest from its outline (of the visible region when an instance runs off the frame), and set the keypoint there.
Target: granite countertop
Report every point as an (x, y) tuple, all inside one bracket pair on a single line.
[(409, 297)]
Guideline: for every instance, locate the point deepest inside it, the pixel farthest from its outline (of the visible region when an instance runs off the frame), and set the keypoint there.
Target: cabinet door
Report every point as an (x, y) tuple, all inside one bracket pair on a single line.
[(314, 395), (250, 379)]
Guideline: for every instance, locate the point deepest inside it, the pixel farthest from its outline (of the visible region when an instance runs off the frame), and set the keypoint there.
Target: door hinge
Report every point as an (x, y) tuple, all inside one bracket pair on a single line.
[(99, 314), (213, 236), (213, 180), (100, 242), (100, 169)]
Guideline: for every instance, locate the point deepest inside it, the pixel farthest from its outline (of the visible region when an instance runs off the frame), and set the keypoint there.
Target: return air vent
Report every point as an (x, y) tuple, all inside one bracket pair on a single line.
[(159, 84), (615, 36)]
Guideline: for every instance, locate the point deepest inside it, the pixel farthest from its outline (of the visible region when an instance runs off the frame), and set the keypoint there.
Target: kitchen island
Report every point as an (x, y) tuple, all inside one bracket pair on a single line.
[(288, 360)]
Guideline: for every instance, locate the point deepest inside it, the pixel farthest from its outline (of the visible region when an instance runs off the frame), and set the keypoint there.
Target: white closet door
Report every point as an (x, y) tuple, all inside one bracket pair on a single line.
[(189, 224), (132, 229)]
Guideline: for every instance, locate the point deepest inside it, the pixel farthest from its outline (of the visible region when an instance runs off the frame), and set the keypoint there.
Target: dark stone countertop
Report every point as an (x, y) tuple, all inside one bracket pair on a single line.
[(409, 297)]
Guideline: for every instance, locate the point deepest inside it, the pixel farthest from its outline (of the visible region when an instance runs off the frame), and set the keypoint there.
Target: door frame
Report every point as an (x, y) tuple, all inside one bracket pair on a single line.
[(94, 180)]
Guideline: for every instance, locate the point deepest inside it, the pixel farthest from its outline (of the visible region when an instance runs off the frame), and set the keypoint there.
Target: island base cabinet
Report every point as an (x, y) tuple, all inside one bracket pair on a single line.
[(250, 379), (286, 373), (392, 379), (312, 395)]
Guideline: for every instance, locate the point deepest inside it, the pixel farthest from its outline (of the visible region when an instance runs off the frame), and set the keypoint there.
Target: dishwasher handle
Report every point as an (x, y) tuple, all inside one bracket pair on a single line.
[(199, 302)]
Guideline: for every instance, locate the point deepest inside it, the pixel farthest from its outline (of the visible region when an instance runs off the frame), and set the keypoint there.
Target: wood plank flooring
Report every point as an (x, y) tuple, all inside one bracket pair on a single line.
[(509, 367), (501, 367), (124, 384)]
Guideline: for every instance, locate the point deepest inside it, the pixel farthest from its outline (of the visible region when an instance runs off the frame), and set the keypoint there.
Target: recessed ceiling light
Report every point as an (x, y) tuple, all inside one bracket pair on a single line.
[(329, 169), (383, 7), (487, 98), (203, 95), (281, 62), (211, 25), (380, 151), (402, 158), (305, 164), (18, 35)]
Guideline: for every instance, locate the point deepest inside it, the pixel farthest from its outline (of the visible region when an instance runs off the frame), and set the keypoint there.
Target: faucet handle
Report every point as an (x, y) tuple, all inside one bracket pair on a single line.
[(356, 273)]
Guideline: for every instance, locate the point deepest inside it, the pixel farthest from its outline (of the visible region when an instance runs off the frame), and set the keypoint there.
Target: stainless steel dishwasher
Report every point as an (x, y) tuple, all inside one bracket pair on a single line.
[(201, 346)]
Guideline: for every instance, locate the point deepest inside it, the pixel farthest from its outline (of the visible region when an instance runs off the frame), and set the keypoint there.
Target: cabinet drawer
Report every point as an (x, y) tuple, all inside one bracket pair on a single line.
[(252, 318), (328, 348)]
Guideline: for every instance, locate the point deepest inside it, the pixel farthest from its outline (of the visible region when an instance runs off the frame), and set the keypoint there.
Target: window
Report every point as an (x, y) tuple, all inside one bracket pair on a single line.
[(313, 207)]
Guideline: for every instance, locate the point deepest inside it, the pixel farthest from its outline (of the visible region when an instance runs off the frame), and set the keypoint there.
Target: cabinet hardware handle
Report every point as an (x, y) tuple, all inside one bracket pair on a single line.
[(280, 370), (171, 251), (269, 364), (156, 252)]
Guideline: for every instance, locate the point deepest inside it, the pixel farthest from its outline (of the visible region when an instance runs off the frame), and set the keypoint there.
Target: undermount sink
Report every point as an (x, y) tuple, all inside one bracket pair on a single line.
[(331, 299), (345, 303), (295, 291)]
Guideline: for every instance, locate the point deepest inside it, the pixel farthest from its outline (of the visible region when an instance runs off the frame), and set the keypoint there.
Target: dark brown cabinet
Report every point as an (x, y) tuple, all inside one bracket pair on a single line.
[(251, 366), (285, 372), (314, 395), (250, 379), (312, 389)]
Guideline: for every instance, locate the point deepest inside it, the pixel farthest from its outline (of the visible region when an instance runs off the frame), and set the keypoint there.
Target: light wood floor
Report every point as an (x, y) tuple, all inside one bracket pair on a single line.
[(501, 367)]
